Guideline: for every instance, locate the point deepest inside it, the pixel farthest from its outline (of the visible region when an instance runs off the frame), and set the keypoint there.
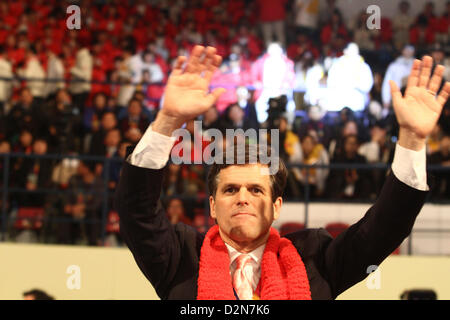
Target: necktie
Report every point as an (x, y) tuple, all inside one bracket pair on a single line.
[(242, 277)]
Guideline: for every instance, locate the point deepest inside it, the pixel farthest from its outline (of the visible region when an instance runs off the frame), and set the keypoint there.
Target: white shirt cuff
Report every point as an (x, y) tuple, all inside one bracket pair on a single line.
[(409, 167), (152, 151)]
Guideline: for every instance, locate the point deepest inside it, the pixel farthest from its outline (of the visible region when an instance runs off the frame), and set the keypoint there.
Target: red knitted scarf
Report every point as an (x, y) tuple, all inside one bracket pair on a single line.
[(283, 274)]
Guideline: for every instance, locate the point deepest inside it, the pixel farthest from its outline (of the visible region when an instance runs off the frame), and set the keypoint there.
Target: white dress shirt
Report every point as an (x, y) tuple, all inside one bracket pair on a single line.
[(255, 262), (153, 151)]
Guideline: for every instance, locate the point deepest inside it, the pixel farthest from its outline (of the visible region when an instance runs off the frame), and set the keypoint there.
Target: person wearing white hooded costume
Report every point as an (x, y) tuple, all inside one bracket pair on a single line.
[(397, 71), (276, 78), (349, 82)]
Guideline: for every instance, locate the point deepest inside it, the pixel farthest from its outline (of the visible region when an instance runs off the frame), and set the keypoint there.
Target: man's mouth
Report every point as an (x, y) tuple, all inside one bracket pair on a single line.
[(243, 214)]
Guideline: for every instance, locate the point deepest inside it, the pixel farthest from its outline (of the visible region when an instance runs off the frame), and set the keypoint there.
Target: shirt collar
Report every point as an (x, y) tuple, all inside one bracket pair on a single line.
[(256, 254)]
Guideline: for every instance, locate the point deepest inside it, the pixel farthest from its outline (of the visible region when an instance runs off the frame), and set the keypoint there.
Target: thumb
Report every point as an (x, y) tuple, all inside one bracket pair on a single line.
[(214, 95)]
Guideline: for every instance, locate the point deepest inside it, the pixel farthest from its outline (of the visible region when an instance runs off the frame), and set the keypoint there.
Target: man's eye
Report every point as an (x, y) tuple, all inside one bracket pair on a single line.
[(229, 190), (256, 190)]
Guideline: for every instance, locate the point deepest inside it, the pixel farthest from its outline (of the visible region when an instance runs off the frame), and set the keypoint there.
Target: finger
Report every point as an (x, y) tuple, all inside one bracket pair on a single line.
[(436, 80), (209, 56), (443, 95), (395, 93), (178, 67), (193, 64), (212, 67), (413, 78), (214, 95), (427, 64)]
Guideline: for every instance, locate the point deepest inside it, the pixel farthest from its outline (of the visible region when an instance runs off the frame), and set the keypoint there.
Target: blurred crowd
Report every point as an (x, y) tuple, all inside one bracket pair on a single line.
[(94, 91)]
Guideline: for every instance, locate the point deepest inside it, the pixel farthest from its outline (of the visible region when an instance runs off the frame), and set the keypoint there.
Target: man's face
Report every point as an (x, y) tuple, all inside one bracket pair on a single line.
[(243, 205)]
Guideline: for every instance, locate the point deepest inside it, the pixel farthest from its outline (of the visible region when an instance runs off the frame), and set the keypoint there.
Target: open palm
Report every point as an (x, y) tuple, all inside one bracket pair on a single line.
[(419, 109), (187, 91)]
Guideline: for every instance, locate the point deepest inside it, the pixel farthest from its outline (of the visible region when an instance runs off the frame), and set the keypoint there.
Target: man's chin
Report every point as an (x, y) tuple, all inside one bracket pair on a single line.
[(245, 233)]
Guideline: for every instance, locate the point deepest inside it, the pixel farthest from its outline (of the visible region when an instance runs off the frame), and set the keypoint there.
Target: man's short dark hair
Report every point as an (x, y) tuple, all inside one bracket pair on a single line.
[(277, 180)]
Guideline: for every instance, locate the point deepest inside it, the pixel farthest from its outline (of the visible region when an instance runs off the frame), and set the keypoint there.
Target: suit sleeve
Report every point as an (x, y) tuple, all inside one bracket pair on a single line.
[(145, 227), (368, 242)]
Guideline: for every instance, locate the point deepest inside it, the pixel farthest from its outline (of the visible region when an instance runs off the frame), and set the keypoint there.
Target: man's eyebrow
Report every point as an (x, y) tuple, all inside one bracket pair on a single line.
[(229, 184), (248, 185), (256, 184)]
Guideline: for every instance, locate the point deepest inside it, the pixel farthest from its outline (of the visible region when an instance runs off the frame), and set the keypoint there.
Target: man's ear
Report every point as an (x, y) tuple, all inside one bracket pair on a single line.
[(212, 207), (277, 208)]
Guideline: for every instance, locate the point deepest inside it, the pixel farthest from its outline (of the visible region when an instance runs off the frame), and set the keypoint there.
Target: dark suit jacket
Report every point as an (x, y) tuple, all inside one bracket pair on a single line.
[(169, 255)]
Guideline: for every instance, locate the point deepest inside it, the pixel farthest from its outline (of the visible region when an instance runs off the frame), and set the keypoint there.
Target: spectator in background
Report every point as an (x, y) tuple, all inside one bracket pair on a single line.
[(211, 119), (152, 91), (441, 157), (15, 53), (313, 153), (306, 16), (273, 76), (176, 212), (401, 24), (245, 43), (93, 115), (63, 171), (111, 142), (378, 150), (438, 54), (55, 70), (298, 48), (33, 69), (302, 66), (365, 38), (116, 165), (326, 12), (149, 63), (271, 17), (34, 174), (397, 71), (234, 73), (81, 74), (444, 26), (24, 143), (349, 82), (421, 35), (316, 123), (81, 210), (234, 118), (245, 101), (333, 31), (64, 124), (135, 118), (125, 69), (290, 149), (5, 86), (24, 115), (429, 16), (96, 143), (173, 181), (290, 152), (348, 183), (349, 127)]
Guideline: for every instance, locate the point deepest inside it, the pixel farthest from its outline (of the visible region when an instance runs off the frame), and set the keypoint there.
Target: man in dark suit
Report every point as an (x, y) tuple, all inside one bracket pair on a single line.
[(242, 256)]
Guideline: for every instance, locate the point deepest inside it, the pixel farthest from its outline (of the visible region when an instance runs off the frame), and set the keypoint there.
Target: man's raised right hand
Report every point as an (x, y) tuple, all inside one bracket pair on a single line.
[(187, 92)]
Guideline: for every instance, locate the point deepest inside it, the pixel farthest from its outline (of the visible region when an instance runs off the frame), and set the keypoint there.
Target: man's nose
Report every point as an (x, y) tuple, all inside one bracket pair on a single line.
[(243, 196)]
